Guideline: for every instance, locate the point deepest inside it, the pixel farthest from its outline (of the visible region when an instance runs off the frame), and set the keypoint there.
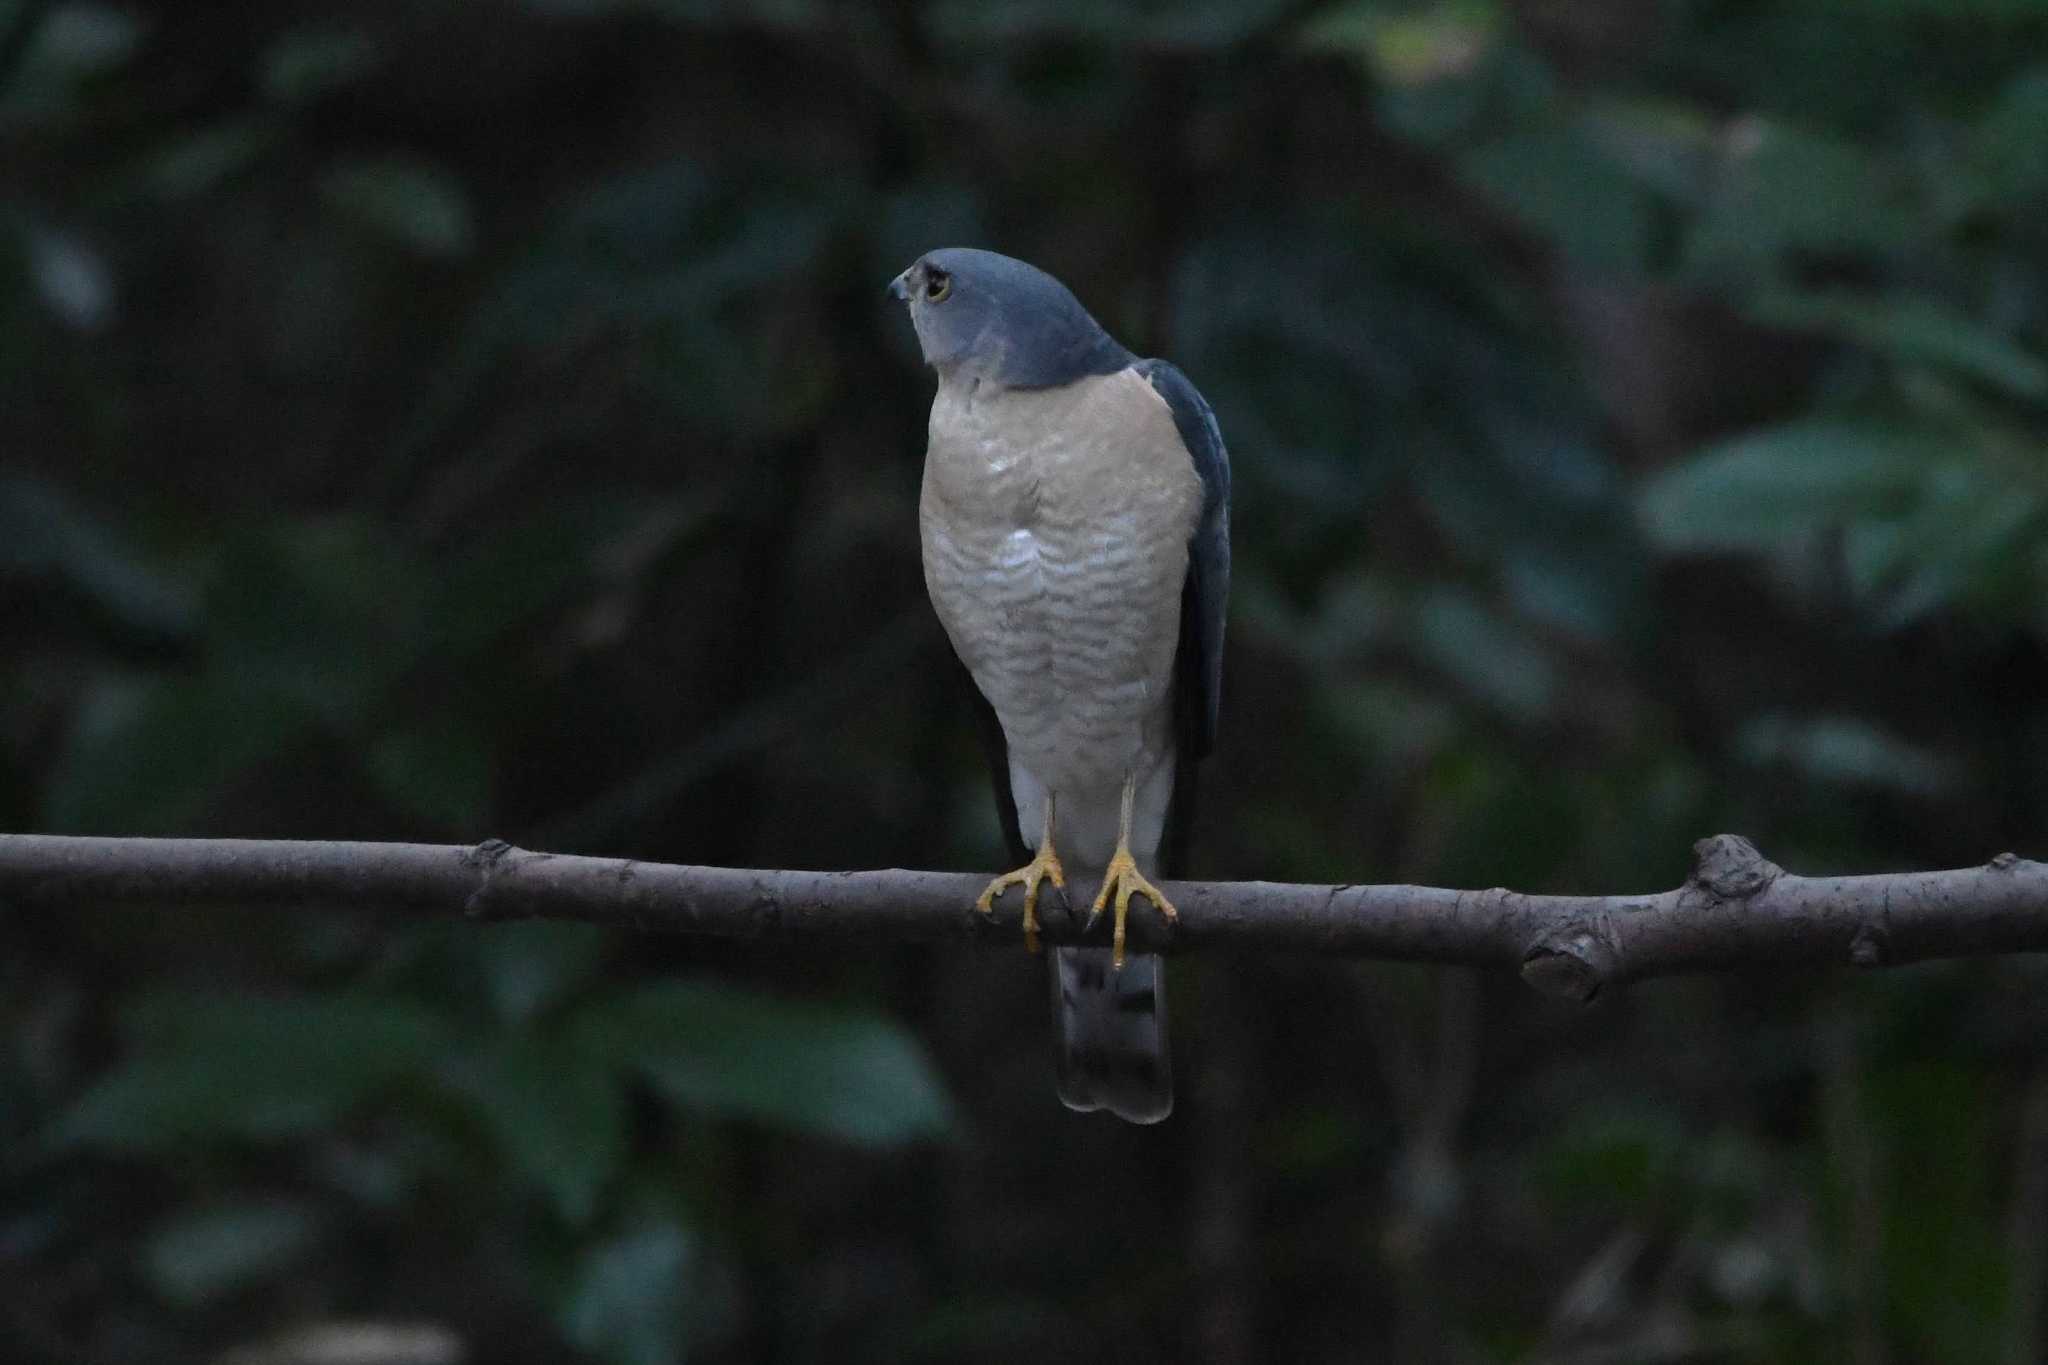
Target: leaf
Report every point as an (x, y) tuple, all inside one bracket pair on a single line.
[(1563, 186), (1781, 188), (75, 281), (1972, 11), (307, 63), (1388, 723), (1500, 823), (148, 755), (438, 771), (2008, 145), (1572, 585), (198, 1257), (723, 1050), (1845, 751), (1405, 50), (197, 163), (677, 267), (1665, 145), (305, 625), (49, 538), (559, 1119), (530, 964), (1615, 1157), (203, 1068), (1945, 1221), (414, 203), (1758, 490), (1966, 539), (1913, 329), (535, 563), (82, 39), (1201, 25), (629, 1299), (1484, 654), (323, 613)]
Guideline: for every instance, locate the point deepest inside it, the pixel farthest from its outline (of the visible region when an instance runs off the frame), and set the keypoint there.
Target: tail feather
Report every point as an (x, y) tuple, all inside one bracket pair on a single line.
[(1111, 1026)]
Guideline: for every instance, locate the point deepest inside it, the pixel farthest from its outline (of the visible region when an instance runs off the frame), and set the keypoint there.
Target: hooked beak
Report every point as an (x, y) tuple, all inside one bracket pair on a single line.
[(899, 290)]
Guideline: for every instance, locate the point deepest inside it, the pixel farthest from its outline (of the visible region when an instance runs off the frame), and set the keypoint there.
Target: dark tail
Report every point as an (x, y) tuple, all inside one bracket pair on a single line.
[(1111, 1027)]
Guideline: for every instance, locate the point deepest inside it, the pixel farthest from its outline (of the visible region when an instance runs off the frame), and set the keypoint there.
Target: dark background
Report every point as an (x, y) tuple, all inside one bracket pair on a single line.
[(430, 421)]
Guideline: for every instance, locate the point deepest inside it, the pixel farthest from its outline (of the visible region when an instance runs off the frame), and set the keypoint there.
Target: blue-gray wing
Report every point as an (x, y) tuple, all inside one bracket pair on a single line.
[(1199, 669)]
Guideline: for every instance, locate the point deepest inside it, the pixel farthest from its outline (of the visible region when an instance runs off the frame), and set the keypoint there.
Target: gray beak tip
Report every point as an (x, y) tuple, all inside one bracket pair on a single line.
[(898, 290)]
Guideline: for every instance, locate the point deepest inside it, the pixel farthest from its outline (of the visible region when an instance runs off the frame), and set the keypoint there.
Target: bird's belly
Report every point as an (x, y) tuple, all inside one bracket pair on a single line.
[(1055, 529), (1064, 636)]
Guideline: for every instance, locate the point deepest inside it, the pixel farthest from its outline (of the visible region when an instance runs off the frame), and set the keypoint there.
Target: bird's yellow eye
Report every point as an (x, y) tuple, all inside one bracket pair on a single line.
[(937, 284)]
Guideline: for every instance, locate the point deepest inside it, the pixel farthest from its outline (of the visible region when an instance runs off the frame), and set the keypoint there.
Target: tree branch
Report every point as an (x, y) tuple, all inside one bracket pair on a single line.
[(1736, 910)]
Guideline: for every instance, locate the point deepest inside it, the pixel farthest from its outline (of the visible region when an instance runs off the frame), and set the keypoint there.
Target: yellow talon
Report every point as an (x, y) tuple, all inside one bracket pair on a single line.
[(1123, 876), (1045, 866)]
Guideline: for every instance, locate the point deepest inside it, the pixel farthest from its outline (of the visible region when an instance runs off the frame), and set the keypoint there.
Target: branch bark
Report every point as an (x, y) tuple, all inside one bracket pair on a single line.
[(1736, 910)]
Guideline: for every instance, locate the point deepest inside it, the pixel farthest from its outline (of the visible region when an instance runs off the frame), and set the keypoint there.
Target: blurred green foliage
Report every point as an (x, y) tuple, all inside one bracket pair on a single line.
[(440, 421)]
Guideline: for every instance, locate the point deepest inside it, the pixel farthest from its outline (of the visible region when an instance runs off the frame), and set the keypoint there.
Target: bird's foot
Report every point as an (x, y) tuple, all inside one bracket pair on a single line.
[(1122, 879), (1042, 868)]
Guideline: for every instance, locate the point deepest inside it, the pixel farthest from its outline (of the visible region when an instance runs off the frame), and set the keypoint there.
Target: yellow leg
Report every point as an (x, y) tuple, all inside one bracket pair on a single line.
[(1123, 878), (1044, 867)]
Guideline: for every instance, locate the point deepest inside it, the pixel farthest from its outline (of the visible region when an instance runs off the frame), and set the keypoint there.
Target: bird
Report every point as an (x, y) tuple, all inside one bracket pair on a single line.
[(1074, 522)]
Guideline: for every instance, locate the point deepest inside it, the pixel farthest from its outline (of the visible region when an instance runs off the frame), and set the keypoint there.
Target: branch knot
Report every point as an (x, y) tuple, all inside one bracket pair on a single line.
[(1572, 962), (485, 858), (1728, 867)]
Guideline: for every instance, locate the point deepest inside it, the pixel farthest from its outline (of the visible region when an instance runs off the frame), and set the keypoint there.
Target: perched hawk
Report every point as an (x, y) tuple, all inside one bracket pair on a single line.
[(1076, 533)]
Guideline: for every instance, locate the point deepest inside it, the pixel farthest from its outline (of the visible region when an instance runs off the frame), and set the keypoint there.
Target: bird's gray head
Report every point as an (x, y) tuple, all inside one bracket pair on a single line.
[(993, 318)]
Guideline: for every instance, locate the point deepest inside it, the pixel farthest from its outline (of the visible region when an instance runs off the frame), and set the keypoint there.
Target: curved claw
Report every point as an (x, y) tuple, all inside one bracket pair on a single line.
[(1123, 879), (1041, 869)]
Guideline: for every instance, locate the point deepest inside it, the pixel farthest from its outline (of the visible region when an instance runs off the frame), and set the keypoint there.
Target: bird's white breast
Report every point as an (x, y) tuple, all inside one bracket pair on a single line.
[(1055, 532)]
